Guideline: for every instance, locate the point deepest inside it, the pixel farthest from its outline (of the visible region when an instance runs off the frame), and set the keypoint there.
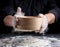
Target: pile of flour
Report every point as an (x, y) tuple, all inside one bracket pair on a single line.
[(35, 42), (23, 41)]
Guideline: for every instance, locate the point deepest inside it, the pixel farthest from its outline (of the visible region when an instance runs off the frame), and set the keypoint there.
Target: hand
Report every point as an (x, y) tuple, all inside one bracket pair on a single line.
[(44, 24), (10, 20)]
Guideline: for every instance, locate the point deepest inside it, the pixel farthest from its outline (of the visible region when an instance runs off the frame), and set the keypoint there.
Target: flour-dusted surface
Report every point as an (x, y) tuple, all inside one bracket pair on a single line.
[(29, 41)]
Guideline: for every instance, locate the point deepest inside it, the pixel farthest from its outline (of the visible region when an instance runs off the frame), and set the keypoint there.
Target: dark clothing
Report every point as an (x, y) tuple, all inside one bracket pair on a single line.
[(58, 3), (29, 7)]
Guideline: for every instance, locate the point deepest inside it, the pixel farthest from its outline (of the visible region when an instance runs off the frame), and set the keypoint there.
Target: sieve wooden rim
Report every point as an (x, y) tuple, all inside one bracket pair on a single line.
[(29, 17)]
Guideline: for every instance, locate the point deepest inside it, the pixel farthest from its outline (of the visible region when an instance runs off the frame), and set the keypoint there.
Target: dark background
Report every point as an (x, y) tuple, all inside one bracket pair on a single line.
[(55, 28), (58, 3)]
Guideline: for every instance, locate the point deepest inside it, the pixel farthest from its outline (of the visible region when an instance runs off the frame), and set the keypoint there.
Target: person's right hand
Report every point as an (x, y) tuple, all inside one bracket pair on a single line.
[(9, 20)]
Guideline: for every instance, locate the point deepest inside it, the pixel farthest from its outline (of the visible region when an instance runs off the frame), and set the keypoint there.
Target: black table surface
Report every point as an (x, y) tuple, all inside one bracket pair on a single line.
[(27, 33)]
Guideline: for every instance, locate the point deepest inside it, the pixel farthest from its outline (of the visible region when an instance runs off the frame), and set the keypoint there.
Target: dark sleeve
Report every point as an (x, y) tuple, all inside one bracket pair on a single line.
[(54, 9), (5, 9)]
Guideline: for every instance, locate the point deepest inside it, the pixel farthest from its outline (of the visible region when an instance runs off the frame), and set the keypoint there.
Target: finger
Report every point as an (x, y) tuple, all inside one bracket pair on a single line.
[(16, 18), (44, 24), (42, 30), (19, 12), (36, 31), (41, 15), (13, 21), (18, 9)]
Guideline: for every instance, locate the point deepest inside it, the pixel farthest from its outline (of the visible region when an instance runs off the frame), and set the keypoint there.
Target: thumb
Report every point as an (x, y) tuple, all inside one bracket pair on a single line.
[(18, 9), (19, 12)]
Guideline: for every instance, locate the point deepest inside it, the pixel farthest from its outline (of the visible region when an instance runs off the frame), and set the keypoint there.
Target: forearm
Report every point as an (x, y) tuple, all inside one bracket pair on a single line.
[(50, 17)]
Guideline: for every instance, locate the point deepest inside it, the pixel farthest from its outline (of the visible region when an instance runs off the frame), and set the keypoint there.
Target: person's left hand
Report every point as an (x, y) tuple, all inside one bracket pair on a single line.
[(44, 24)]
